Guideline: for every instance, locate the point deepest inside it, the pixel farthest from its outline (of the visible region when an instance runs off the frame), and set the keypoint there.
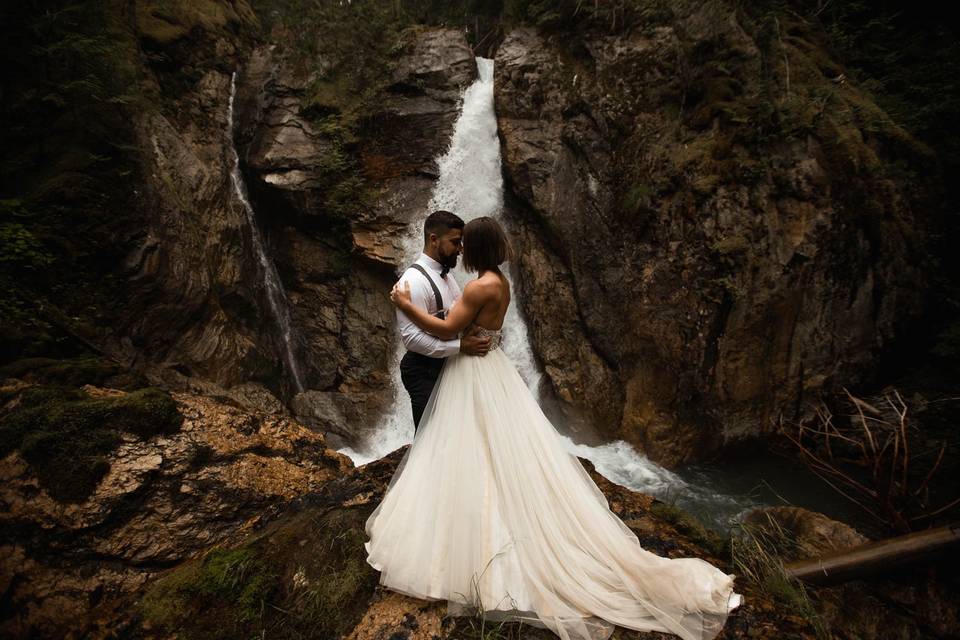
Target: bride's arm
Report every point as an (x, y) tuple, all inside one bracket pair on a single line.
[(462, 313)]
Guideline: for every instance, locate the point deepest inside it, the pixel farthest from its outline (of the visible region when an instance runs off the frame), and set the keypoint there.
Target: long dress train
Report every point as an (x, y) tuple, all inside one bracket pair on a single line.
[(488, 511)]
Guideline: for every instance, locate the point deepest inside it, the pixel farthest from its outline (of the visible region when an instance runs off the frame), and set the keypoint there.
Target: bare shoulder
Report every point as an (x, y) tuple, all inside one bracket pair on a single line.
[(488, 286)]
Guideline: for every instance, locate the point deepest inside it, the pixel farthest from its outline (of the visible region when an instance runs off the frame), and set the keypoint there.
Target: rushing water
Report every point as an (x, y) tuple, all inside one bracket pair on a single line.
[(271, 280), (471, 185)]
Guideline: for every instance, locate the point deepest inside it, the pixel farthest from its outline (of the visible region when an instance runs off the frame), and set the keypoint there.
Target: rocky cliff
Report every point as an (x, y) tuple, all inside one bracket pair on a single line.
[(331, 206), (239, 522), (715, 226)]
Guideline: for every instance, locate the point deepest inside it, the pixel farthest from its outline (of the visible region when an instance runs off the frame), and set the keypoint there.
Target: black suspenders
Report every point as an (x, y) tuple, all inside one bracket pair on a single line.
[(433, 285)]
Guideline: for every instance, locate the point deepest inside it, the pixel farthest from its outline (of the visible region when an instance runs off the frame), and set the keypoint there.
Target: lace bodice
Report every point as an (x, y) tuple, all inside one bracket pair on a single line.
[(495, 335)]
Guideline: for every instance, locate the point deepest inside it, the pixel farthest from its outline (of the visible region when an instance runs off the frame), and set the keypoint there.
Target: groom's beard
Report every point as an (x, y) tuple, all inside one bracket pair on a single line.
[(449, 261)]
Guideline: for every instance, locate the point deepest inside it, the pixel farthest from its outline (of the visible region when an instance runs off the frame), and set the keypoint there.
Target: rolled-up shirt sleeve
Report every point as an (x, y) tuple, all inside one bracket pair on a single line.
[(414, 338)]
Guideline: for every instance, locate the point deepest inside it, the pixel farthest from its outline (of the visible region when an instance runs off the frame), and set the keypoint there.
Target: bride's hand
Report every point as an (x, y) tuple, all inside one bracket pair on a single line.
[(401, 297)]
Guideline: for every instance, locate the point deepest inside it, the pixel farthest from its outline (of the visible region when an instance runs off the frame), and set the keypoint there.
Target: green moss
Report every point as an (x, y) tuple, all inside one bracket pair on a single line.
[(325, 600), (636, 198), (731, 245), (146, 412), (164, 21), (691, 528), (58, 372), (232, 575), (305, 576), (66, 436)]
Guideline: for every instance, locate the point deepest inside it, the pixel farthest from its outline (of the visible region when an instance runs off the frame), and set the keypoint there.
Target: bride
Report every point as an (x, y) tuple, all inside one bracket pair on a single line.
[(488, 510)]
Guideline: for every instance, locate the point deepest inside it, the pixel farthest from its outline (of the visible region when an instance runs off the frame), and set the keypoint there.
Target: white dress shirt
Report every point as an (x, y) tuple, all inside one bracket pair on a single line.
[(421, 293)]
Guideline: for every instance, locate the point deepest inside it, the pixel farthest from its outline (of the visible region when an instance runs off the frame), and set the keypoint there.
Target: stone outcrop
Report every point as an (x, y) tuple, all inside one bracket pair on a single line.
[(814, 533), (911, 602), (164, 500), (711, 222), (194, 301), (311, 566), (333, 200), (338, 260)]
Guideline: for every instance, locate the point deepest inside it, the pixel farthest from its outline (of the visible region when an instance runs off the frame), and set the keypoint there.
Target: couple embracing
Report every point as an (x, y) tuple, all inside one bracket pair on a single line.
[(487, 509)]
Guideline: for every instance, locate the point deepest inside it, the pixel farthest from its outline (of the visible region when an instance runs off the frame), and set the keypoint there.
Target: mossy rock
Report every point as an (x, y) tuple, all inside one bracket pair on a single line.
[(73, 373), (165, 21), (691, 528), (305, 576), (66, 436)]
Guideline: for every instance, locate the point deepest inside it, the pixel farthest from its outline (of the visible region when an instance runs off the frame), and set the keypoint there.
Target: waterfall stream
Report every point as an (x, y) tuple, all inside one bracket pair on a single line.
[(471, 185), (271, 280)]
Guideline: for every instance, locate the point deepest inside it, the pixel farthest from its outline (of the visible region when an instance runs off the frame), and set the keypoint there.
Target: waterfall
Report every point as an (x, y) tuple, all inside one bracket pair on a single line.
[(471, 185), (271, 279)]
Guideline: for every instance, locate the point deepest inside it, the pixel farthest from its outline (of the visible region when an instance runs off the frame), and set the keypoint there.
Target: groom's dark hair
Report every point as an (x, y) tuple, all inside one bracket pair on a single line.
[(439, 222)]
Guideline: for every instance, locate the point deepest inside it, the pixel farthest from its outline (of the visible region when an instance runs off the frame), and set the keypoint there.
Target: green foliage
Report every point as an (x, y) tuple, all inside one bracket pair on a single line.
[(19, 249), (637, 198), (609, 15), (64, 165), (948, 342), (909, 56), (66, 435), (757, 553)]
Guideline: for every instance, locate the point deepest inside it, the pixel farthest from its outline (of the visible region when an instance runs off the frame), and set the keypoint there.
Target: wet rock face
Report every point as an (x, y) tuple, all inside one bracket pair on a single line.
[(163, 500), (703, 247), (338, 263), (194, 300), (333, 203)]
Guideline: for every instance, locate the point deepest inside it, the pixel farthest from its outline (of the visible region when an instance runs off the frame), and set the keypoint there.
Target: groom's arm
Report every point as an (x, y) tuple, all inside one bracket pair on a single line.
[(416, 339)]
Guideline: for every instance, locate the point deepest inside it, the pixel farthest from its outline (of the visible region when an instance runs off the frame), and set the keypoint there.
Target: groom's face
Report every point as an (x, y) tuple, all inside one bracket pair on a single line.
[(449, 247)]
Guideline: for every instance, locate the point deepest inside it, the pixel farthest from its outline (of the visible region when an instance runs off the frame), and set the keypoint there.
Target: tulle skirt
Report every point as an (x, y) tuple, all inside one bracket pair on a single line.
[(488, 511)]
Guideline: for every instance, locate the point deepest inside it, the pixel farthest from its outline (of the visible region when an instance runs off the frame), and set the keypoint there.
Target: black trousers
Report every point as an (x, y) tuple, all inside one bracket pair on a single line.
[(419, 374)]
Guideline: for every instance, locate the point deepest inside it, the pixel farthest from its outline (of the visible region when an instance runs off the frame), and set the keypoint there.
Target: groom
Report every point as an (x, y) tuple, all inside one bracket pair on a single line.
[(434, 290)]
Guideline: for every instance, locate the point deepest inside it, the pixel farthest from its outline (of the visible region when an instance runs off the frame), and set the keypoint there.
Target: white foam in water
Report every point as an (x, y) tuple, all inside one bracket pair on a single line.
[(619, 462), (471, 185)]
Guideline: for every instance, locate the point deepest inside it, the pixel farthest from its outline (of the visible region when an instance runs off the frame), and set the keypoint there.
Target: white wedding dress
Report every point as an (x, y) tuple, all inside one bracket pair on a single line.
[(488, 511)]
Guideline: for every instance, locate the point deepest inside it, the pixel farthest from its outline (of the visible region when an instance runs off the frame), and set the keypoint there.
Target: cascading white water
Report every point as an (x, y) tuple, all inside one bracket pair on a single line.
[(271, 279), (471, 185)]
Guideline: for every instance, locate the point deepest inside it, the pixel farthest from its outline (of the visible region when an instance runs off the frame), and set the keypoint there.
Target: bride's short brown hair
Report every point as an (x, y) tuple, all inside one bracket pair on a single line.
[(485, 245)]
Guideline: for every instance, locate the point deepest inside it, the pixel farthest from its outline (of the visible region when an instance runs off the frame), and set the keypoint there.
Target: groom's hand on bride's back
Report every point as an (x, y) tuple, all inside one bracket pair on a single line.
[(474, 345)]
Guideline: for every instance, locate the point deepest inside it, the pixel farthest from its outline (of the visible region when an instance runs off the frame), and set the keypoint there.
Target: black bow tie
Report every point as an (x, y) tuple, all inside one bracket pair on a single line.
[(444, 271)]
